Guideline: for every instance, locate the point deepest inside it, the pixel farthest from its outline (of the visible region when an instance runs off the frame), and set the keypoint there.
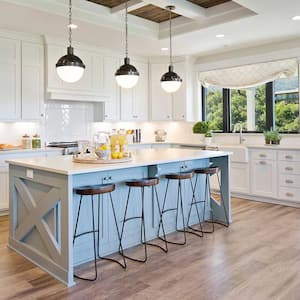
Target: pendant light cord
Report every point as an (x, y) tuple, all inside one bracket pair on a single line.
[(70, 23), (170, 32), (126, 28)]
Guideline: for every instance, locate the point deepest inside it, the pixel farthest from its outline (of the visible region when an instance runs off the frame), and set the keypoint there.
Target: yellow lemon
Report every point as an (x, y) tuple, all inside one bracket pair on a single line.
[(120, 154), (114, 155)]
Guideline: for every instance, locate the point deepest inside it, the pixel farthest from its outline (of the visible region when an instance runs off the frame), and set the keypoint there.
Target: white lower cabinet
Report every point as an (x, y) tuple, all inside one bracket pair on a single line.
[(4, 198), (239, 177), (263, 178)]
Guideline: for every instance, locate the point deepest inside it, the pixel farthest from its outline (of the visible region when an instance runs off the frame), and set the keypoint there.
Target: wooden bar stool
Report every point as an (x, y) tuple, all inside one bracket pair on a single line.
[(91, 191), (179, 177), (142, 183), (209, 171)]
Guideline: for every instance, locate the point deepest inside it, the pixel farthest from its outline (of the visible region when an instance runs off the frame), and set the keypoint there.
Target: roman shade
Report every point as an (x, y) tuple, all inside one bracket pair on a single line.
[(249, 75)]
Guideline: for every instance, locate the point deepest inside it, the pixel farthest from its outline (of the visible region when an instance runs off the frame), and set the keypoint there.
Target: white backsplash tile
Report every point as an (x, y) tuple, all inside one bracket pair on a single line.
[(68, 121)]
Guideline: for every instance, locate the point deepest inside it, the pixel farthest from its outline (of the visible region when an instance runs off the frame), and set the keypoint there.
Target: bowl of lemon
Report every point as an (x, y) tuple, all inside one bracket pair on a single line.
[(103, 151)]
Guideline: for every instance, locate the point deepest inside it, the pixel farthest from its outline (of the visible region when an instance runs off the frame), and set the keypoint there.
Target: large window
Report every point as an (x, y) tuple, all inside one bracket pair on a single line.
[(214, 107), (275, 104), (286, 92), (248, 107)]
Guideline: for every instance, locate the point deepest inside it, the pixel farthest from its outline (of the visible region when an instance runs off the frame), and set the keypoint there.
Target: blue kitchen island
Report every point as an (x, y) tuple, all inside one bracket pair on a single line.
[(43, 206)]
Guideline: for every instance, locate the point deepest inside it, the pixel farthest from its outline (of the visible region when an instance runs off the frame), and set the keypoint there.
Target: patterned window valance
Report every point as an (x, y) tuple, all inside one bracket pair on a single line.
[(249, 75)]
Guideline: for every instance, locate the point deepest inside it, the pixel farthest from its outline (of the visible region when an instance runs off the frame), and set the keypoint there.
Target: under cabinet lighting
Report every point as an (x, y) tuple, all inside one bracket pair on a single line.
[(296, 18), (220, 35)]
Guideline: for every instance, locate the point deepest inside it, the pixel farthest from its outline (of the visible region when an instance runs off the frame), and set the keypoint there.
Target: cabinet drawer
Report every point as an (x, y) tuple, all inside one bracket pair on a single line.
[(289, 155), (288, 167), (289, 194), (289, 180), (264, 154)]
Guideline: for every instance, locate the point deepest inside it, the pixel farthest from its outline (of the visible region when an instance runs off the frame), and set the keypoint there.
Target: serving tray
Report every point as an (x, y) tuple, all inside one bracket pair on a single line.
[(101, 161)]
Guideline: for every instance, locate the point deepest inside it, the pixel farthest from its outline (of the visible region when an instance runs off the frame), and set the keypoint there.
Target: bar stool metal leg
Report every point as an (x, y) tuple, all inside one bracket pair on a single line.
[(142, 226), (93, 231), (179, 195), (123, 265), (193, 230)]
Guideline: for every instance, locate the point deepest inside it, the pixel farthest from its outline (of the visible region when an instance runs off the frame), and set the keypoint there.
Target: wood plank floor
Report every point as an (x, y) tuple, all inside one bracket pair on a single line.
[(258, 257)]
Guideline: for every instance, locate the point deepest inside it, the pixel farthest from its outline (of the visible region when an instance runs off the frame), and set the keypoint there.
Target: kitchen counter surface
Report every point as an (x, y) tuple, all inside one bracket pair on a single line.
[(36, 150), (143, 157), (274, 147)]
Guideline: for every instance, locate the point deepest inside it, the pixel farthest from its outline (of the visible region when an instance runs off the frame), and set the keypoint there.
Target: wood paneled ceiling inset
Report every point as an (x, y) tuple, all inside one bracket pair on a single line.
[(108, 3), (208, 3), (153, 13)]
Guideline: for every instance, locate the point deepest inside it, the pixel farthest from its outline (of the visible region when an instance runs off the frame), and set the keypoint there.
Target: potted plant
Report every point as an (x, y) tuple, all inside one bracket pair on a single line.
[(201, 128), (275, 137), (267, 135), (272, 137), (208, 137)]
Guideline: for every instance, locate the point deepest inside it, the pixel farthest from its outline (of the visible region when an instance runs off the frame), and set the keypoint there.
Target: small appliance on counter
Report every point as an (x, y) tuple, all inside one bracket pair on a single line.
[(68, 147), (160, 135)]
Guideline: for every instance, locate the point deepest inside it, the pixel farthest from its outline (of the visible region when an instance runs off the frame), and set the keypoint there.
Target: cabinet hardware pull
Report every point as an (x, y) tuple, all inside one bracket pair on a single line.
[(289, 194), (289, 157), (289, 168), (262, 155), (289, 181), (262, 162)]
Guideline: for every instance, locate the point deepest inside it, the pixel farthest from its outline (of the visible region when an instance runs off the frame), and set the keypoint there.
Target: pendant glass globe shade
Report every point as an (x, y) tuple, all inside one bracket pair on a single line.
[(170, 81), (127, 75), (70, 67)]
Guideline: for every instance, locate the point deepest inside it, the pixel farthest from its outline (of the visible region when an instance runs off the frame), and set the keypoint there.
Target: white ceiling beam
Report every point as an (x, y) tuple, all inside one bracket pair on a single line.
[(183, 8), (131, 4)]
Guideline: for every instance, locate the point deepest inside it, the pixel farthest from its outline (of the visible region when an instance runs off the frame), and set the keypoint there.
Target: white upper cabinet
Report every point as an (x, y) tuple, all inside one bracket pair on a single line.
[(161, 102), (134, 101), (177, 106), (10, 79), (32, 81), (21, 80), (109, 84)]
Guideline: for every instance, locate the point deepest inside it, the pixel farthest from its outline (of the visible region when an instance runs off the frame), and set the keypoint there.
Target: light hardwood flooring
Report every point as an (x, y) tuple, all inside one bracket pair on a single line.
[(257, 257)]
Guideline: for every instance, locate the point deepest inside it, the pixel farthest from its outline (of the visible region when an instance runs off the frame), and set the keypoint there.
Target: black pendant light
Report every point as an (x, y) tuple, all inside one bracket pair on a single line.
[(127, 75), (70, 67), (170, 81)]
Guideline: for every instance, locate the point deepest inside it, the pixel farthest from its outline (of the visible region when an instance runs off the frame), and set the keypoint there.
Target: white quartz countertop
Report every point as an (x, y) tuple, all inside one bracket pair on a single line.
[(143, 157), (35, 150)]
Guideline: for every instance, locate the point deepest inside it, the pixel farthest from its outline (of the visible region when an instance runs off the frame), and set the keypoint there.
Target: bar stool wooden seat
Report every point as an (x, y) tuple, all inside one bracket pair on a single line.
[(207, 172), (179, 177), (142, 183), (91, 191)]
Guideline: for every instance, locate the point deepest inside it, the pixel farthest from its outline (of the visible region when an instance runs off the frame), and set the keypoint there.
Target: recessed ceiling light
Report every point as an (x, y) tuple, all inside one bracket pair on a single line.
[(296, 18), (220, 35), (164, 49), (73, 26)]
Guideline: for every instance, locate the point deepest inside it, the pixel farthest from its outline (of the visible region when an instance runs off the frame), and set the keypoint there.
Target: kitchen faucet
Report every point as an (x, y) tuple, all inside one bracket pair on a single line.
[(240, 127)]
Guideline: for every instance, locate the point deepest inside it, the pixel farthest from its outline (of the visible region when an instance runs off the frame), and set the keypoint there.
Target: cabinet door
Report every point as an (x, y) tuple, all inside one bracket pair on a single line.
[(161, 102), (112, 104), (263, 178), (4, 199), (239, 178), (32, 81), (180, 97), (10, 79), (134, 102), (140, 94)]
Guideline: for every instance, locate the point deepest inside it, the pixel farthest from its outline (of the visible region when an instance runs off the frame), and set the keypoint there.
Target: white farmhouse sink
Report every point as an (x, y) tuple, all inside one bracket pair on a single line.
[(240, 152)]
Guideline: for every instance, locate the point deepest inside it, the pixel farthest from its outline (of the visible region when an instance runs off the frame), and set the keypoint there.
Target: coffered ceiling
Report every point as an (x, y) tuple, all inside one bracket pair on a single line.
[(152, 10), (242, 23)]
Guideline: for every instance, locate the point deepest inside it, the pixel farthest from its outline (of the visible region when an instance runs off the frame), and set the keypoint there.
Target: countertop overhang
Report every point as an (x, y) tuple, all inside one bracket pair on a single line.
[(142, 157)]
